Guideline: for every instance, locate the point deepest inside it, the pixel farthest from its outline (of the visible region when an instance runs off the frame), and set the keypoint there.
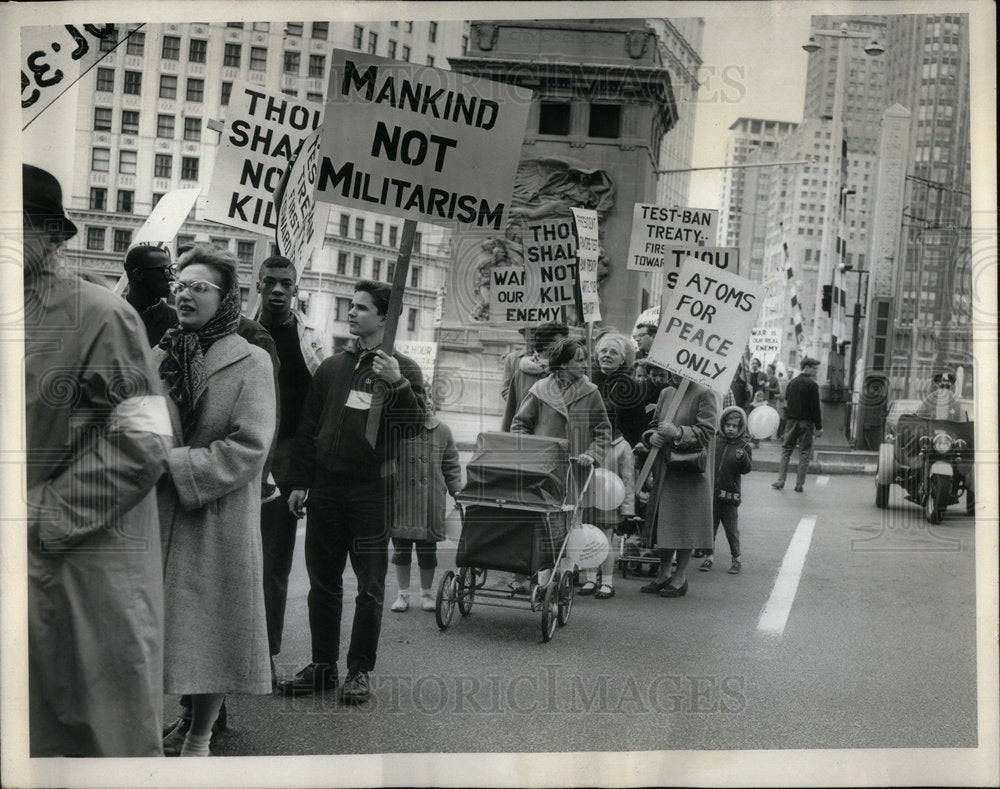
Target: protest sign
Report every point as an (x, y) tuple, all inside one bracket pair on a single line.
[(420, 143), (424, 353), (659, 233), (727, 258), (261, 136), (163, 222), (301, 220), (588, 252), (706, 323), (765, 343)]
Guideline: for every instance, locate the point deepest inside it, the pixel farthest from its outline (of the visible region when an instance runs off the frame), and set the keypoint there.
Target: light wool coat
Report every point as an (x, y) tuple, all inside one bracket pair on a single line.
[(216, 635)]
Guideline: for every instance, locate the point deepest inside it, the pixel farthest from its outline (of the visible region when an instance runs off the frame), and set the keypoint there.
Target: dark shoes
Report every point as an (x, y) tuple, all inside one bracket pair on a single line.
[(221, 722), (314, 678), (798, 488), (706, 565), (655, 587), (357, 688), (777, 485), (175, 734), (737, 566), (675, 591)]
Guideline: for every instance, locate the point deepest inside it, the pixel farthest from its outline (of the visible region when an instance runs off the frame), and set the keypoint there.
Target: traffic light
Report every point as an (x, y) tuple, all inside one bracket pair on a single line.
[(827, 302)]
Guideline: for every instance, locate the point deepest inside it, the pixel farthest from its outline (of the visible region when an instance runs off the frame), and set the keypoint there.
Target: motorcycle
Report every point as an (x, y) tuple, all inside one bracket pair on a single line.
[(932, 460)]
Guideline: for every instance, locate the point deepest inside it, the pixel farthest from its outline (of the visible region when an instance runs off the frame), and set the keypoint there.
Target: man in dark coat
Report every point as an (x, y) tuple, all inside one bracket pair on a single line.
[(803, 420), (348, 474), (150, 273)]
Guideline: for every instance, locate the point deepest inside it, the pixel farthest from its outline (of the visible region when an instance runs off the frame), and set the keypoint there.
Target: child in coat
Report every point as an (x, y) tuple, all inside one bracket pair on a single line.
[(732, 461)]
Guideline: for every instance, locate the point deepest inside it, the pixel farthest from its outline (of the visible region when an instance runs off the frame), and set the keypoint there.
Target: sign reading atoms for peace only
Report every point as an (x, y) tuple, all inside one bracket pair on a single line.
[(419, 142)]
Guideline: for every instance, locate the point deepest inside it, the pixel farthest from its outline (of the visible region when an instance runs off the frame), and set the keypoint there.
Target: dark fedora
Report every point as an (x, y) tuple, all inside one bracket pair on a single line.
[(810, 362), (42, 200)]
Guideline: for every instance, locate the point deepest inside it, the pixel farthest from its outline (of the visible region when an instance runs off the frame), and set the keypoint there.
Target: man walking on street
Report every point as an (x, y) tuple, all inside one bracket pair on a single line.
[(348, 475), (802, 418)]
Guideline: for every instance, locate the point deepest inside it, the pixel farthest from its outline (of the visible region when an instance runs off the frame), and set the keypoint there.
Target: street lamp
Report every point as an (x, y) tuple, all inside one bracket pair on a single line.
[(821, 325)]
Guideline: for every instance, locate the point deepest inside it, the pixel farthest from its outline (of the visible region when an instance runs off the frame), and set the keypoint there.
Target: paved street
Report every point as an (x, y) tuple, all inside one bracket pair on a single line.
[(868, 641)]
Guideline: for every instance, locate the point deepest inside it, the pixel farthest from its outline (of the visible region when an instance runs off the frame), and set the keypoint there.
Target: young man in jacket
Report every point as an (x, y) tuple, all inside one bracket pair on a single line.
[(348, 478), (803, 420)]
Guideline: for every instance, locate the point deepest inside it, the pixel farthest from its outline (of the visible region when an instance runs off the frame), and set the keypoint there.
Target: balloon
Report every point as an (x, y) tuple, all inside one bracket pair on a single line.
[(586, 546), (763, 421), (606, 491)]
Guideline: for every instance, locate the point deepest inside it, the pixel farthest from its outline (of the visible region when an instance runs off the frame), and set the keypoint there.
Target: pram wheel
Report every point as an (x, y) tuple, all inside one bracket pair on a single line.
[(444, 610), (550, 613), (566, 592), (466, 589)]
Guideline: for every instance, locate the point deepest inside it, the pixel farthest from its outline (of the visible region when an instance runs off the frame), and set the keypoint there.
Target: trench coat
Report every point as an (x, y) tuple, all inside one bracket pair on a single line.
[(216, 632), (428, 470), (98, 434), (683, 512)]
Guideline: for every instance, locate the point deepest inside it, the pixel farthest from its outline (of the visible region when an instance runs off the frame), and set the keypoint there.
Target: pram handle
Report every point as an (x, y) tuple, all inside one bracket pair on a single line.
[(583, 488)]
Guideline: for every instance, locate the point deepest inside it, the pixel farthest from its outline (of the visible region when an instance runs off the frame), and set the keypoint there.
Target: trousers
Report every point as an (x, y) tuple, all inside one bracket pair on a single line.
[(277, 537), (798, 432), (728, 513)]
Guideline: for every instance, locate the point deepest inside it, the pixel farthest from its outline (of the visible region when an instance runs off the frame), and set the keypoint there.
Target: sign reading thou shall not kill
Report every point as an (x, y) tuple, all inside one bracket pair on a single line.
[(706, 323), (420, 143), (662, 237), (261, 136)]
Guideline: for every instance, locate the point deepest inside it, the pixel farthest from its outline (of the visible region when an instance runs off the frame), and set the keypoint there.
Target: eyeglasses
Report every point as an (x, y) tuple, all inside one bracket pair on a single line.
[(198, 286)]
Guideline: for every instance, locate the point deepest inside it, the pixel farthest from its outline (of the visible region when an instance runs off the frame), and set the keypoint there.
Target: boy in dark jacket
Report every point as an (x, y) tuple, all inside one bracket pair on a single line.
[(732, 461)]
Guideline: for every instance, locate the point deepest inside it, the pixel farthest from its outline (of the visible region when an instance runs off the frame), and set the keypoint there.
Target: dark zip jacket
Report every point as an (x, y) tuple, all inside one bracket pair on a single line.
[(729, 468)]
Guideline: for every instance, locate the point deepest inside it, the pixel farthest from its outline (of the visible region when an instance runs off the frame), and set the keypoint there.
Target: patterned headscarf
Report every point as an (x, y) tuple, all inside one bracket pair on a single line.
[(183, 368)]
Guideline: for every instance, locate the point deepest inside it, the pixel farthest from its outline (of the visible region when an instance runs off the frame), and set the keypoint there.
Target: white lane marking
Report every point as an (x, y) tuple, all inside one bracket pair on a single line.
[(775, 613), (824, 480), (300, 532)]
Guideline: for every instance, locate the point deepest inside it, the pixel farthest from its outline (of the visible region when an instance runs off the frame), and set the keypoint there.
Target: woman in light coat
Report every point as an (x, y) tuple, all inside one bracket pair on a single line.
[(682, 515), (222, 390)]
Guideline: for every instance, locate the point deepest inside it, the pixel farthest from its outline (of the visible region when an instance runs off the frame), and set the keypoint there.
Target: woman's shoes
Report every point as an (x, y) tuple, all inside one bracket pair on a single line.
[(588, 588), (401, 604), (675, 591), (427, 602), (706, 565), (606, 592), (655, 587)]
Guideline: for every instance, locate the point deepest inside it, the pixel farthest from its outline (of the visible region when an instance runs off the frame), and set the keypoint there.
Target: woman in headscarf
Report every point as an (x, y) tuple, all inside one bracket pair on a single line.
[(221, 390)]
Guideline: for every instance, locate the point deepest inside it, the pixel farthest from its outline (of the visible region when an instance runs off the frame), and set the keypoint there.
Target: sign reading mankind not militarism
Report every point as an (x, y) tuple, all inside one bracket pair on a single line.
[(706, 324), (418, 142)]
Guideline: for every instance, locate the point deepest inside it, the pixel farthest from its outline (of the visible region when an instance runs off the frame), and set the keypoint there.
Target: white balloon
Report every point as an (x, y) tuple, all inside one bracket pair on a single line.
[(606, 491), (586, 546), (763, 421)]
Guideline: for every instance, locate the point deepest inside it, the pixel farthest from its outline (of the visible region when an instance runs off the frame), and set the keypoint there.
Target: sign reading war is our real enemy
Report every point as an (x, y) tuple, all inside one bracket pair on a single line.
[(588, 254), (765, 343), (706, 323), (420, 143), (537, 291), (262, 135), (661, 235)]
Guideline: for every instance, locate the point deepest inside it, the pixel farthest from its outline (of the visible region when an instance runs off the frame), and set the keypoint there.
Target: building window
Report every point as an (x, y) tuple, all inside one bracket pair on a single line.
[(123, 238), (261, 27), (239, 25), (127, 162), (108, 44), (106, 79), (291, 63), (465, 45), (290, 92), (192, 129), (102, 119), (163, 165), (356, 268), (391, 48), (379, 228), (432, 32), (342, 263), (189, 168), (171, 48), (393, 235), (227, 89), (98, 198), (314, 97), (95, 238), (345, 224), (415, 277), (408, 26), (343, 306), (605, 121), (554, 117), (417, 242), (219, 241), (359, 228), (165, 126), (430, 60), (126, 200), (320, 30), (390, 271), (168, 87), (232, 55), (133, 82), (157, 196), (136, 43), (411, 319), (258, 58), (195, 89), (100, 160), (317, 66), (372, 42), (359, 35), (376, 269), (197, 50), (245, 251), (130, 122)]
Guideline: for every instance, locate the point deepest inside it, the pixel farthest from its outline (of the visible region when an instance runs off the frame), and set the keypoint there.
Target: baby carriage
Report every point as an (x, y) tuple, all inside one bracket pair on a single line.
[(521, 500)]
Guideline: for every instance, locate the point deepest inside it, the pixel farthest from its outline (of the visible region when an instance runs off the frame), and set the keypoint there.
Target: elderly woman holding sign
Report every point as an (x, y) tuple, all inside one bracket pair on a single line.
[(680, 511)]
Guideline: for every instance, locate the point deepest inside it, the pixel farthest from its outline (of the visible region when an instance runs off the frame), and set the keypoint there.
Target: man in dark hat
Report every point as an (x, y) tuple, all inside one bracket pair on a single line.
[(95, 574), (803, 420), (150, 272), (531, 368), (941, 402)]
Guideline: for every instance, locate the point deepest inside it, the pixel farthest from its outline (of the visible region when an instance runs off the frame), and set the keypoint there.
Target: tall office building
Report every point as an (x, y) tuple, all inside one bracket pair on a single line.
[(143, 127)]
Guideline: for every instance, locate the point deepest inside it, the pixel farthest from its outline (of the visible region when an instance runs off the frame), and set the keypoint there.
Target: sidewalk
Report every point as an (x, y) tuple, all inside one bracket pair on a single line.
[(826, 460)]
